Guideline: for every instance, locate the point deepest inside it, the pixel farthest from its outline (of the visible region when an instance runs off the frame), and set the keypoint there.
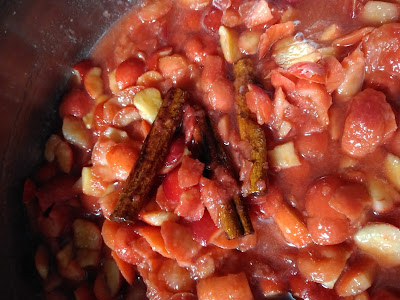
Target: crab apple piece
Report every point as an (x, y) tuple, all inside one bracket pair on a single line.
[(314, 145), (64, 156), (152, 10), (379, 12), (331, 32), (89, 183), (284, 156), (148, 102), (76, 103), (50, 147), (194, 4), (109, 231), (56, 222), (354, 68), (259, 14), (108, 203), (216, 287), (303, 288), (311, 71), (88, 257), (112, 82), (121, 158), (127, 270), (152, 60), (259, 103), (271, 287), (190, 205), (211, 19), (84, 292), (335, 73), (174, 67), (248, 42), (291, 50), (383, 195), (124, 242), (242, 243), (292, 228), (175, 277), (128, 72), (369, 124), (323, 264), (392, 169), (42, 261), (203, 229), (220, 95), (175, 155), (172, 190), (94, 83), (58, 190), (76, 133), (67, 266), (198, 47), (274, 34), (381, 241), (108, 281), (86, 235), (150, 79), (357, 278), (157, 218), (350, 200), (229, 39), (153, 236), (179, 241), (214, 67), (328, 231), (82, 67), (190, 172)]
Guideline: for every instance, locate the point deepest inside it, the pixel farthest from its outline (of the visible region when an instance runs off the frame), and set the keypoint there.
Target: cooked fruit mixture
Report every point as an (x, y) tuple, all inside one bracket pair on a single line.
[(227, 149)]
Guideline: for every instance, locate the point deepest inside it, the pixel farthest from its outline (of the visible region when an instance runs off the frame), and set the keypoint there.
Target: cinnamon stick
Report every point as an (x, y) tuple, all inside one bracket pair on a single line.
[(249, 129), (233, 215), (154, 150)]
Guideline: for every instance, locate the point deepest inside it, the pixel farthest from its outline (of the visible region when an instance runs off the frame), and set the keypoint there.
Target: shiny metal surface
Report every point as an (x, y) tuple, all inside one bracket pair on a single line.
[(39, 41)]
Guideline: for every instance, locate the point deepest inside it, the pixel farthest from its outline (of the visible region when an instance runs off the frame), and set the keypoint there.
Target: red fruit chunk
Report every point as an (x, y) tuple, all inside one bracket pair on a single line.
[(56, 222), (203, 229), (76, 103), (127, 270), (121, 158), (216, 287), (109, 232), (82, 67), (190, 205), (369, 124), (175, 154), (172, 189), (212, 19), (128, 72), (382, 57), (328, 231), (124, 242), (86, 235), (259, 103), (60, 189), (190, 172)]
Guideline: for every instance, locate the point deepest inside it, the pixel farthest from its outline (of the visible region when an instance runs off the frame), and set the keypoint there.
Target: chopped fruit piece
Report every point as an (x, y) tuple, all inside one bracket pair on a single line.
[(392, 170), (157, 218), (215, 287), (50, 148), (153, 236), (154, 10), (229, 43), (379, 12), (291, 50), (88, 257), (248, 42), (64, 155), (175, 277), (93, 82), (42, 261), (323, 264), (330, 33), (259, 14), (127, 270), (381, 241), (86, 235), (108, 281), (383, 195), (76, 103), (272, 35), (357, 278), (284, 156), (194, 4), (328, 231), (292, 228), (128, 72), (148, 102), (75, 132)]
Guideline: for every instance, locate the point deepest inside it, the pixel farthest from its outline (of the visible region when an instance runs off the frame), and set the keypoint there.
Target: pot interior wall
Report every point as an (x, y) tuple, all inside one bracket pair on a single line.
[(40, 41)]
